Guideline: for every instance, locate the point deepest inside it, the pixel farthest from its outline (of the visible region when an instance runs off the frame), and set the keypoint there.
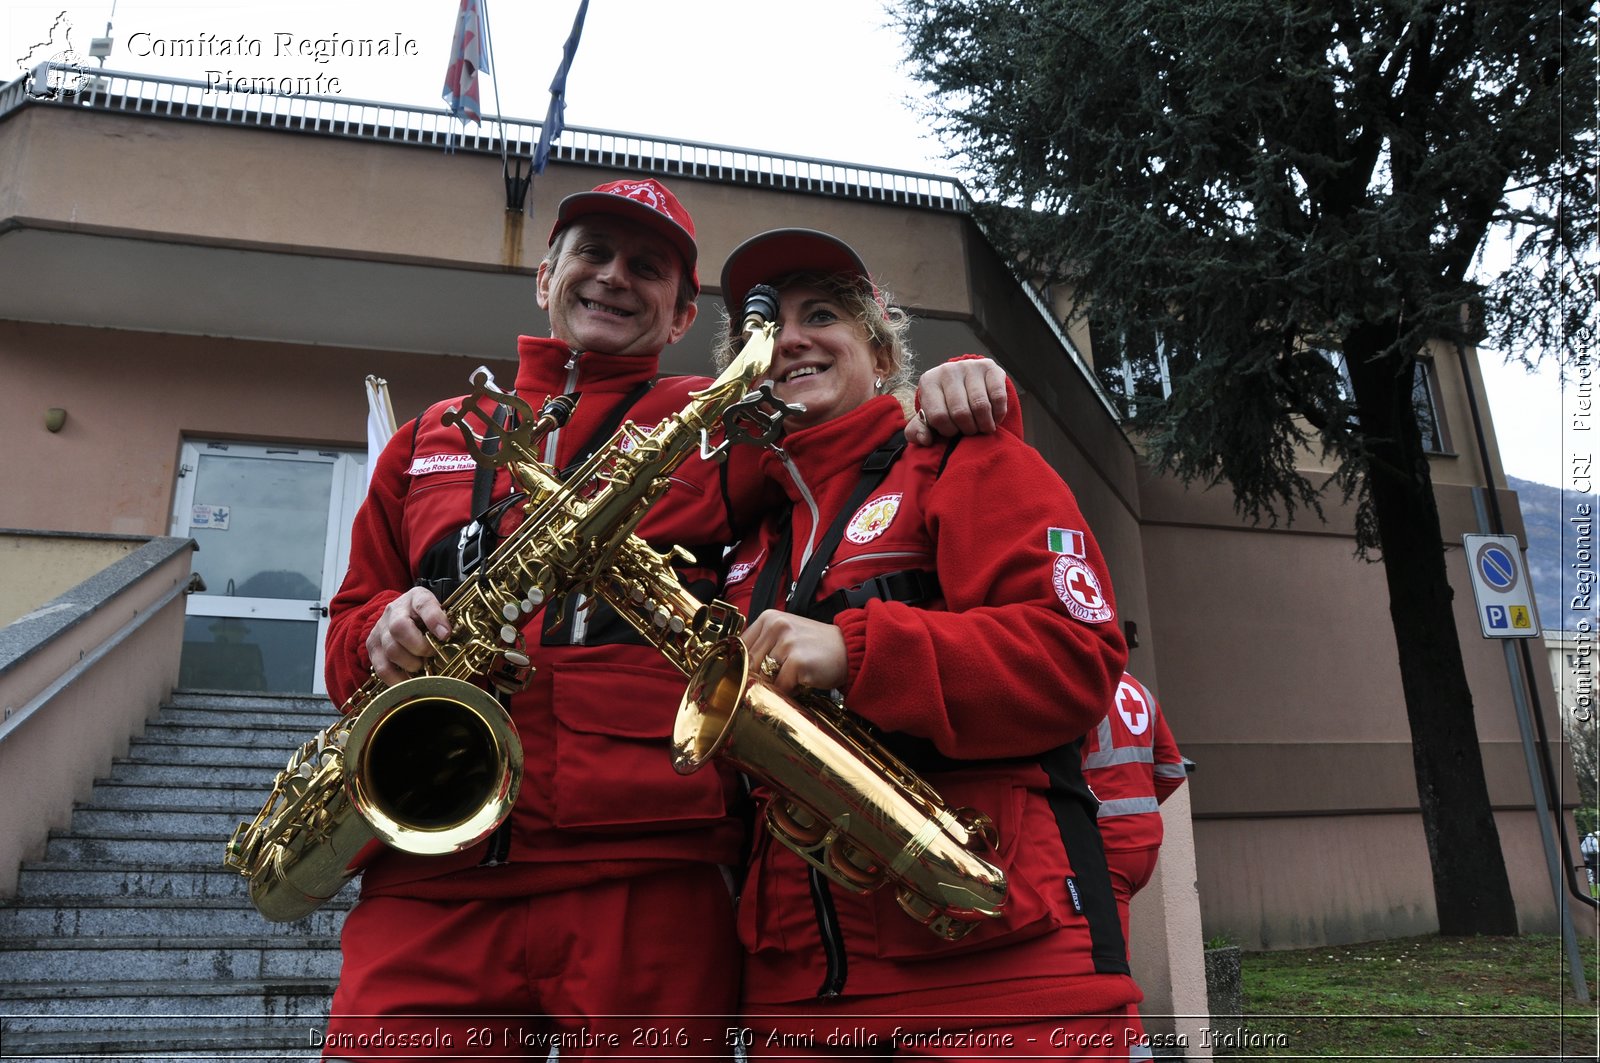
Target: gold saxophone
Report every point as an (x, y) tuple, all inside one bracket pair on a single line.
[(431, 765)]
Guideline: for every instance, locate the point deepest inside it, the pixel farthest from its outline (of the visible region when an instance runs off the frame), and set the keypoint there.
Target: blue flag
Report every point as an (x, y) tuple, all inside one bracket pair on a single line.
[(553, 119)]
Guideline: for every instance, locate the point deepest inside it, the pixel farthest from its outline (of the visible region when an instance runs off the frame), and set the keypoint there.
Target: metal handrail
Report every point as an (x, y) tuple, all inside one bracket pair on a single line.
[(163, 97)]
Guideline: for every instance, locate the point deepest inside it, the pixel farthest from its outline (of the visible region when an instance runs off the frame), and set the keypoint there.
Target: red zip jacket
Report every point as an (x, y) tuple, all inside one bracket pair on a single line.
[(985, 689), (599, 798), (1132, 764)]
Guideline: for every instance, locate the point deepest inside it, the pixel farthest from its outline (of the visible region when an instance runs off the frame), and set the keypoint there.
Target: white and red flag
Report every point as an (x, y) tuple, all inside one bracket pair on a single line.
[(469, 54)]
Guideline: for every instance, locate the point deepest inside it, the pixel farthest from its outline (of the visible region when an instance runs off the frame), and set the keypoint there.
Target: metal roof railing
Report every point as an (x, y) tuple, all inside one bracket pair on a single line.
[(225, 103)]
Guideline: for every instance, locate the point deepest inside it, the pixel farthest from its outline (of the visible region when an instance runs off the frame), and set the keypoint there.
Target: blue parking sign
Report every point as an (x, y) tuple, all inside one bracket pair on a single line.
[(1500, 586)]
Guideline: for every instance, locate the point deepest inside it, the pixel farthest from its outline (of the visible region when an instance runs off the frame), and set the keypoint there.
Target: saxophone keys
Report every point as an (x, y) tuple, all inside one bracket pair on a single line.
[(534, 599), (511, 610), (508, 634)]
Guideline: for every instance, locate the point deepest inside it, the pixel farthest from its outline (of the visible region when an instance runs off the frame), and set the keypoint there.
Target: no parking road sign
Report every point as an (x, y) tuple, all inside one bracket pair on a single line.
[(1501, 587)]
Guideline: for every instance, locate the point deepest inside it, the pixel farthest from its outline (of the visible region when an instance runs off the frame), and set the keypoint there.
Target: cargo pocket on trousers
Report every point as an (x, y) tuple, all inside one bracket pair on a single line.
[(613, 768), (1026, 914)]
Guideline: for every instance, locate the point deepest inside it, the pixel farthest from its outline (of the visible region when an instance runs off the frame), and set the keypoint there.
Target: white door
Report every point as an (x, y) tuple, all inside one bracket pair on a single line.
[(273, 527)]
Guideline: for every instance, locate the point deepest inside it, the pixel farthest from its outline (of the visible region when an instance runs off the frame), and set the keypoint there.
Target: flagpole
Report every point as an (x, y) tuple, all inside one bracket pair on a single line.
[(488, 42), (516, 186)]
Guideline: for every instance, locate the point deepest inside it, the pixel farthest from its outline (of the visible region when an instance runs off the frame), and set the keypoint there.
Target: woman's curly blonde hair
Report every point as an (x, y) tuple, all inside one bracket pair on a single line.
[(887, 327)]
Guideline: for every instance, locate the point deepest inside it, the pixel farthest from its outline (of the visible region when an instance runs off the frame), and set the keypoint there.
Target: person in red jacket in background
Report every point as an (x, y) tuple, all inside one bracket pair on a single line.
[(1132, 764), (604, 898)]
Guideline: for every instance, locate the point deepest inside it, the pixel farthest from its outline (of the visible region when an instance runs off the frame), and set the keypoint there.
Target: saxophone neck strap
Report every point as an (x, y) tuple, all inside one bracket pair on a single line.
[(608, 427)]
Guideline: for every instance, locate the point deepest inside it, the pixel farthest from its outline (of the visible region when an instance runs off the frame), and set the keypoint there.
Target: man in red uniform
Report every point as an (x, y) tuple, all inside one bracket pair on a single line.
[(598, 919), (1132, 764)]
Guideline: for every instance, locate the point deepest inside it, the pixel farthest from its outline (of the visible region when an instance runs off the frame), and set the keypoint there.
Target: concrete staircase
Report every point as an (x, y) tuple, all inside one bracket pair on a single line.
[(131, 940)]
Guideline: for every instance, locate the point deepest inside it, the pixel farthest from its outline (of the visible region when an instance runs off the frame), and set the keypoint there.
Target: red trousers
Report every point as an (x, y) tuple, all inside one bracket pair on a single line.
[(644, 967), (962, 1039), (1130, 871)]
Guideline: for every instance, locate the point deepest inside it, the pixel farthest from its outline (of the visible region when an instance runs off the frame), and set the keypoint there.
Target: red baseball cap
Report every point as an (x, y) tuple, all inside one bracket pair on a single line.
[(647, 202), (777, 252)]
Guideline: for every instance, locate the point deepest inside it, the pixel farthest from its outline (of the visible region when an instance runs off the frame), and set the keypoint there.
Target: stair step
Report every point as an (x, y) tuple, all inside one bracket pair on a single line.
[(238, 776), (267, 758), (214, 699), (44, 879), (109, 794), (134, 849), (115, 959), (209, 716), (130, 939), (248, 735), (183, 821), (161, 1001), (215, 917), (202, 1038)]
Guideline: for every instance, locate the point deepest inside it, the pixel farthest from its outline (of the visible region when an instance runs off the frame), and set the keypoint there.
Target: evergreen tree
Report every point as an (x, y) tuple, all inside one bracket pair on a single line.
[(1251, 186)]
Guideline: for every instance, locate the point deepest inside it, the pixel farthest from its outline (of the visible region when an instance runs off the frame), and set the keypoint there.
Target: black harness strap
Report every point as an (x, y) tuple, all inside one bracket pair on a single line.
[(603, 623), (803, 591), (765, 595), (911, 586), (607, 429)]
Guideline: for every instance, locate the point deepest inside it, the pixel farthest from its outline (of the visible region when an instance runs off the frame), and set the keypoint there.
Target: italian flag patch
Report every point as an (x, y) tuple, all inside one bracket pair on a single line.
[(1066, 541)]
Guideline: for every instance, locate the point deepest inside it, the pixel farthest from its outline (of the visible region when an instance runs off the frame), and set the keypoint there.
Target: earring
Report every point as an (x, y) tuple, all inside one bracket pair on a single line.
[(877, 385)]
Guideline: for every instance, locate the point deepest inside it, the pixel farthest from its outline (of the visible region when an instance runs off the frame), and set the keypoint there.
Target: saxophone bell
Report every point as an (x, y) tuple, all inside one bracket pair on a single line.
[(842, 803), (436, 764), (428, 766)]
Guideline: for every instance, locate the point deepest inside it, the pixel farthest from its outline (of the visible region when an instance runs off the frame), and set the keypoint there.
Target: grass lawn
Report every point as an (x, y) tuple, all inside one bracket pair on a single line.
[(1419, 998)]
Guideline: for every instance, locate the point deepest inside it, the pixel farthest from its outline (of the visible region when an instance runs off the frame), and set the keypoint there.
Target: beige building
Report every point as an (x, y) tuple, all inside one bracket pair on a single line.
[(199, 284)]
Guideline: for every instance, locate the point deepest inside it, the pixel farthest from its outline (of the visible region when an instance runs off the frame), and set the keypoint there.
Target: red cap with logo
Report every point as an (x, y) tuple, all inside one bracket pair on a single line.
[(775, 253), (645, 201)]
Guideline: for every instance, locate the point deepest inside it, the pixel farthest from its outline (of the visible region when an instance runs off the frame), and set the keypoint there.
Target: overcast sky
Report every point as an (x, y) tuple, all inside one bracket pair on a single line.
[(820, 78)]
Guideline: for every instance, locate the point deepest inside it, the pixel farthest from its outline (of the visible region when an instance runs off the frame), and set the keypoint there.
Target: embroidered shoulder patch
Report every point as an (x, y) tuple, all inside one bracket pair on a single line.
[(1132, 707), (430, 463), (872, 519), (1079, 590)]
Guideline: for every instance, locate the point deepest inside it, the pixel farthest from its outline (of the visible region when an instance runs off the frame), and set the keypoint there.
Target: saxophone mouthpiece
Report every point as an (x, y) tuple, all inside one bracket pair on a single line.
[(760, 306), (557, 410)]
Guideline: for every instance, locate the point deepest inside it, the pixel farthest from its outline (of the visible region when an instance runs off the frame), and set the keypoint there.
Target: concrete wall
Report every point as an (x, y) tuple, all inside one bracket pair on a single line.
[(133, 397), (40, 565), (78, 677), (1281, 680)]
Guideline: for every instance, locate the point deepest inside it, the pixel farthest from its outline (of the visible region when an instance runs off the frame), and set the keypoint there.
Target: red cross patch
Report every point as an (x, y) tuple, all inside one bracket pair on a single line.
[(1133, 708), (1079, 590)]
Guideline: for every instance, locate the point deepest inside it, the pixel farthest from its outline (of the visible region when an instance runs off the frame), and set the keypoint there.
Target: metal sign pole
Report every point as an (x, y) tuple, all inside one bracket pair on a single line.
[(1519, 698)]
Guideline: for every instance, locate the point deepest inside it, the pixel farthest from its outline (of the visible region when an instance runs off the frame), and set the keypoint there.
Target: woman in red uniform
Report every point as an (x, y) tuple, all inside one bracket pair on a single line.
[(958, 601)]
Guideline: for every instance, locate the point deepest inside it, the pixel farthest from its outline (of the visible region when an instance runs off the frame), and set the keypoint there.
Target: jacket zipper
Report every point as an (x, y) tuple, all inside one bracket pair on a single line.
[(575, 602), (816, 517), (885, 555), (553, 440)]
